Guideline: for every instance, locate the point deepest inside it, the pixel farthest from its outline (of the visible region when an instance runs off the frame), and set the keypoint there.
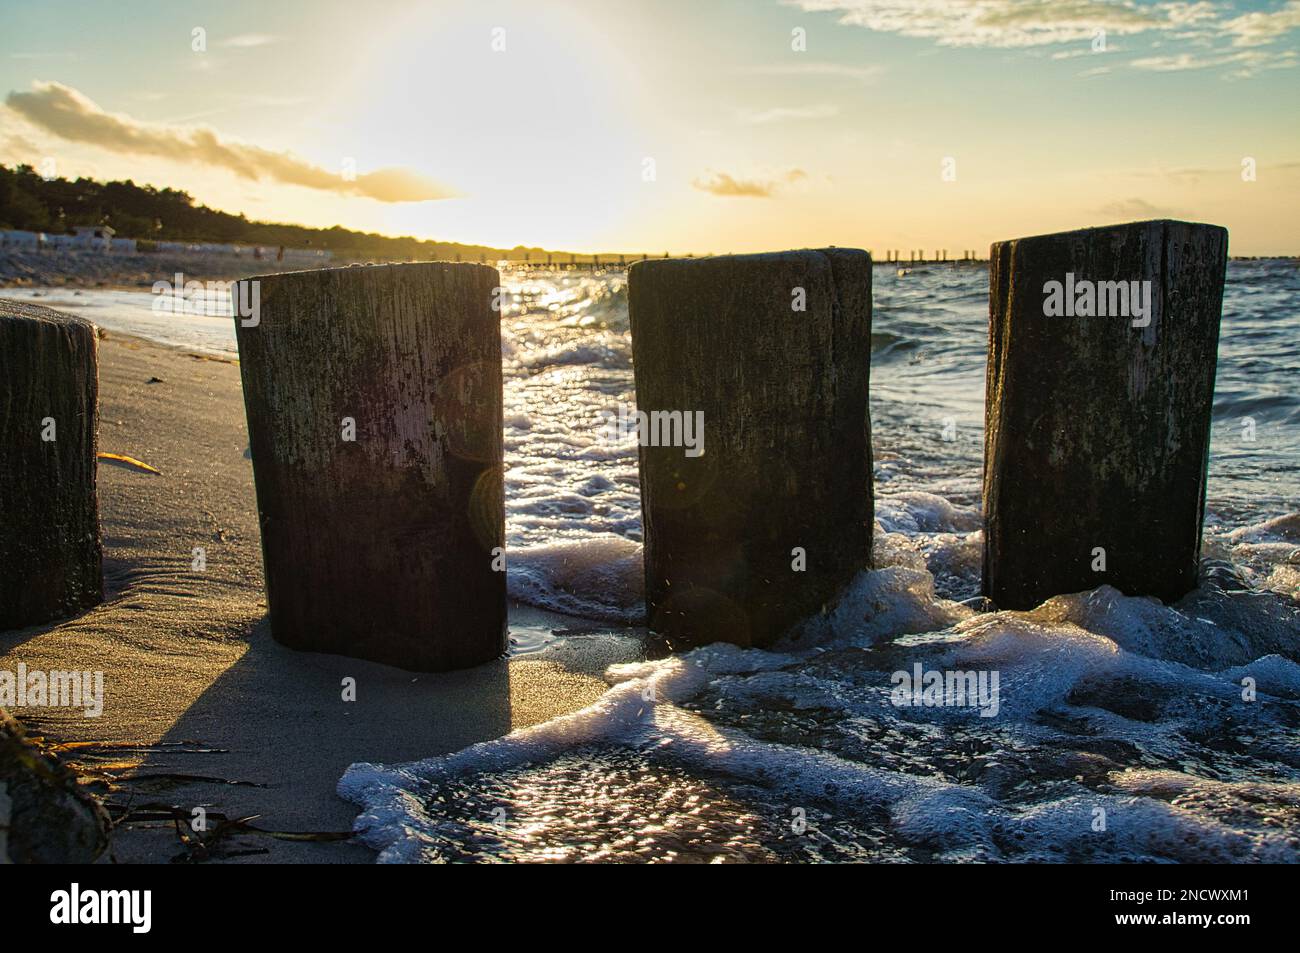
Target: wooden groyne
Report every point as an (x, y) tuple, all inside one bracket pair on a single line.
[(51, 558), (1102, 353), (764, 522), (374, 406)]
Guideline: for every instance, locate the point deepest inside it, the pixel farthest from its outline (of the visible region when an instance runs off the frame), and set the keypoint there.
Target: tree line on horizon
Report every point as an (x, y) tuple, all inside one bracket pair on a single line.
[(31, 202)]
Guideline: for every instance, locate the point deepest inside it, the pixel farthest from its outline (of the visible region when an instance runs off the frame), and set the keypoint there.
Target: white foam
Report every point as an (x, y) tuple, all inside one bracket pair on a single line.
[(596, 578), (917, 512), (886, 602), (1093, 661)]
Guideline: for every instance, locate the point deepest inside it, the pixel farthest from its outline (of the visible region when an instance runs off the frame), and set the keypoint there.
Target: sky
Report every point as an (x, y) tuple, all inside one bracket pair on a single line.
[(676, 125)]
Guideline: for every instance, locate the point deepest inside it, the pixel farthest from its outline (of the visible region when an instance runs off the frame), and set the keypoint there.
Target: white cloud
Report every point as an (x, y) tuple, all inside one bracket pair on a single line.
[(758, 117), (1005, 23), (1259, 27), (248, 40), (1242, 63), (1217, 31), (857, 74)]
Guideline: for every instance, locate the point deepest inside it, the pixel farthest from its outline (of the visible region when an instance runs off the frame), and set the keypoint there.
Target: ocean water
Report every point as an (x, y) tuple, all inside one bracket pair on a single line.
[(1121, 729)]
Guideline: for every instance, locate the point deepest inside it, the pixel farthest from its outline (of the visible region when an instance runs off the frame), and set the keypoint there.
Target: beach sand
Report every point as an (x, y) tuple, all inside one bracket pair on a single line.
[(193, 682)]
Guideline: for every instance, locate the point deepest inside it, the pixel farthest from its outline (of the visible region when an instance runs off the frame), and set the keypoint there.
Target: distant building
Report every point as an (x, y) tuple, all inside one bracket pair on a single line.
[(98, 237), (102, 238), (84, 238), (21, 240)]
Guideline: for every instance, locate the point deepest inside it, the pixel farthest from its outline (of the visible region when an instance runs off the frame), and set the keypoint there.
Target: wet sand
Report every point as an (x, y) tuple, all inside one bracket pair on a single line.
[(194, 684)]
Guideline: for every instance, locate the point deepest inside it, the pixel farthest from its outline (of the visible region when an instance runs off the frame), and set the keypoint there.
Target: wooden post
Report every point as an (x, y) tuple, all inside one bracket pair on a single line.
[(375, 419), (51, 558), (1102, 350), (766, 525)]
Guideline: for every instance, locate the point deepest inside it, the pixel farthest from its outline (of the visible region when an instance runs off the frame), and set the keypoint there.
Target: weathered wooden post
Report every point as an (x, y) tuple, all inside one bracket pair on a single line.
[(1102, 351), (755, 448), (51, 559), (374, 408)]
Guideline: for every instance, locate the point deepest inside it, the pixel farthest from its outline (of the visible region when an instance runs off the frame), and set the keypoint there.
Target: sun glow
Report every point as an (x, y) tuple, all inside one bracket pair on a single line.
[(529, 117)]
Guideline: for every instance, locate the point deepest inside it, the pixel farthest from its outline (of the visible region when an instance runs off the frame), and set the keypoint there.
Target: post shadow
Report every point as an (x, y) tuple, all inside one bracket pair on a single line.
[(281, 715)]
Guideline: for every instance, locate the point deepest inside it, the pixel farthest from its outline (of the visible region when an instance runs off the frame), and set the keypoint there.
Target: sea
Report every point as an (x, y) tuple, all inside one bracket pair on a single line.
[(1096, 727)]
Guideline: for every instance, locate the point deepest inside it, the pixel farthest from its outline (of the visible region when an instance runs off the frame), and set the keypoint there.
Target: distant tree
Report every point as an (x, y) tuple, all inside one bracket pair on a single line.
[(28, 201)]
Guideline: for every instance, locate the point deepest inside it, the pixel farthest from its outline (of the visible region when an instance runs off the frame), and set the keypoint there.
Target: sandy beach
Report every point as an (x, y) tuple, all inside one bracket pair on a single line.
[(194, 685)]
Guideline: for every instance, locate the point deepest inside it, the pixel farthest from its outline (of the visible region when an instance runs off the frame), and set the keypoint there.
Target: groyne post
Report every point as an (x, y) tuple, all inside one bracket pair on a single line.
[(1100, 383), (51, 556), (374, 403), (762, 510)]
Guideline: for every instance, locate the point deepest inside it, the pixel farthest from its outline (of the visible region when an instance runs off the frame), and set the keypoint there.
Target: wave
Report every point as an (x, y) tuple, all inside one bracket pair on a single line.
[(1124, 729), (1096, 751)]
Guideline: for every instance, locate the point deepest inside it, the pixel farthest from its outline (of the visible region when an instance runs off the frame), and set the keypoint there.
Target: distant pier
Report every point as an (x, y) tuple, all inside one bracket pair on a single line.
[(575, 262)]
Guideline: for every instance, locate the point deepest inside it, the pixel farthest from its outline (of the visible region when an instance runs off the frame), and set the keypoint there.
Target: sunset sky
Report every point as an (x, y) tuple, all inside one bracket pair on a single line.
[(681, 125)]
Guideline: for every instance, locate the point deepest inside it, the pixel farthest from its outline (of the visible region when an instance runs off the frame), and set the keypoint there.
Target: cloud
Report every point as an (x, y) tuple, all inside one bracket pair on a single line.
[(1005, 23), (1076, 52), (1193, 176), (1259, 27), (248, 40), (69, 114), (1245, 63), (857, 74), (758, 117), (16, 145), (721, 183), (1135, 210), (1211, 28)]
